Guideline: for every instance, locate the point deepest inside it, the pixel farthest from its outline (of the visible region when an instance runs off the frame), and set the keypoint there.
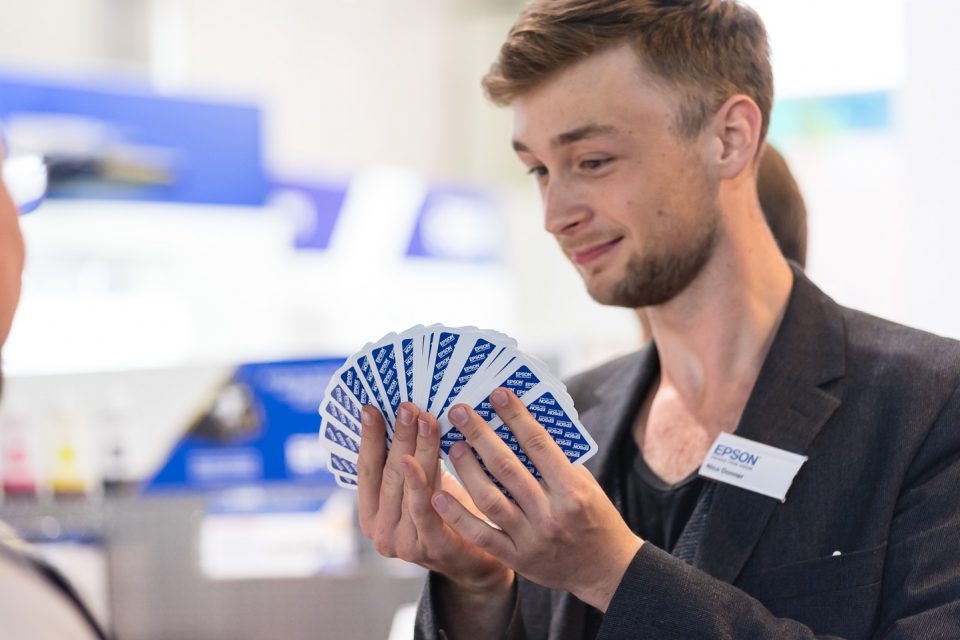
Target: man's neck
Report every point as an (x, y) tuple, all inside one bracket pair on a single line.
[(712, 339)]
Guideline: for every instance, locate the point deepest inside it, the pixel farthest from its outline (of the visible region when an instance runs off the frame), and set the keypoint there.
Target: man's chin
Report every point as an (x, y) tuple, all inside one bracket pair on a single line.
[(634, 291), (603, 293)]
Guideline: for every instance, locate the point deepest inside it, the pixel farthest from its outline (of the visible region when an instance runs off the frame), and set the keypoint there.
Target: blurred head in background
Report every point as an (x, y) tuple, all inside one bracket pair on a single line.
[(783, 205), (11, 257)]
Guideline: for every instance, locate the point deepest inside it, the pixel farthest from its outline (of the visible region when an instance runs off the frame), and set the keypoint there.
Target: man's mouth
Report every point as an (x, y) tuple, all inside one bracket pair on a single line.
[(586, 255)]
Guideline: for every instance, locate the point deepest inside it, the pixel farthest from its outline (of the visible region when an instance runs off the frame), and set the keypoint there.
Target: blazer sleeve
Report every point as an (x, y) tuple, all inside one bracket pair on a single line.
[(663, 597), (429, 627)]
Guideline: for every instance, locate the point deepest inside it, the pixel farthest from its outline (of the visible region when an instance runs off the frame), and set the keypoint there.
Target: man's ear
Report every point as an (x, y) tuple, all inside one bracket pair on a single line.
[(736, 127)]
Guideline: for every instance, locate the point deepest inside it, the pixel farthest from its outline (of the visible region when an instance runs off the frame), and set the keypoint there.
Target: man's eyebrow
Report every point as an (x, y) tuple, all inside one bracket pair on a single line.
[(574, 135), (581, 133), (519, 147)]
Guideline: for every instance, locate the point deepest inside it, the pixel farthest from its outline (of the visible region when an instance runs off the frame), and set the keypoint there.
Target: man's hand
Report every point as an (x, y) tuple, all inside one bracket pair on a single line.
[(562, 532), (396, 513)]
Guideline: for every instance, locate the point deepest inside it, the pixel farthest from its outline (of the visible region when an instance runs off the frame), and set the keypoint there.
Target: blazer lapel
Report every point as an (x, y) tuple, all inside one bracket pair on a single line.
[(787, 408)]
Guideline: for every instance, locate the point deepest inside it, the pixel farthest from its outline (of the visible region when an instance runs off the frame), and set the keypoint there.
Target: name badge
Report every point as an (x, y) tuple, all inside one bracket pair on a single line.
[(751, 465)]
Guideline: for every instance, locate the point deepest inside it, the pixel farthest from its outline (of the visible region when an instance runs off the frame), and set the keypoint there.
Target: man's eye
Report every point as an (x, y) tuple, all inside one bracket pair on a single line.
[(538, 171), (595, 163)]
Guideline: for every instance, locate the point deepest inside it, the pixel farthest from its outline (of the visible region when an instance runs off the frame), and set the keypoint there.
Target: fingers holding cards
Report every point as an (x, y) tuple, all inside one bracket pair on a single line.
[(371, 460), (490, 469), (404, 444), (427, 452)]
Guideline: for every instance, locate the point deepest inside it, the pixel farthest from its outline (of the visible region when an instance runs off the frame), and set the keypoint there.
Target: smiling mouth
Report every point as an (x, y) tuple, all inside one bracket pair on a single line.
[(590, 254)]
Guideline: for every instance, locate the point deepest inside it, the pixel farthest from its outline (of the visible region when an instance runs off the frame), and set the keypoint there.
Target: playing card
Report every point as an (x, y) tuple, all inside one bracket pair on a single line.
[(345, 400), (474, 350), (554, 410), (347, 482), (422, 341), (369, 378), (441, 352), (513, 371), (351, 381), (384, 357), (349, 388), (339, 441), (332, 412), (435, 367), (344, 471), (342, 466), (406, 351)]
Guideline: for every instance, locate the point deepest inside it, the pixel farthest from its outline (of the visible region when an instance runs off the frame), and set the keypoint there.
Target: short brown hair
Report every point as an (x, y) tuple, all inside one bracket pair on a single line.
[(709, 50)]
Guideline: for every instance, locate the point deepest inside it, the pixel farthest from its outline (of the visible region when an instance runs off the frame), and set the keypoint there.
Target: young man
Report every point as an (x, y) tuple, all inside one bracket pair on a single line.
[(35, 600), (641, 121)]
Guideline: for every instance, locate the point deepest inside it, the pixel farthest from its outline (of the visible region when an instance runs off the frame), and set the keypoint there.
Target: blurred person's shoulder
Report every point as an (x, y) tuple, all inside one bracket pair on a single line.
[(31, 607)]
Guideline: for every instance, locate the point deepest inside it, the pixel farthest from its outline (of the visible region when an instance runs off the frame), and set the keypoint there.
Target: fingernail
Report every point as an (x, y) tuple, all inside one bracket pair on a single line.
[(458, 416), (423, 427), (499, 398), (457, 451), (405, 416), (440, 502), (366, 415)]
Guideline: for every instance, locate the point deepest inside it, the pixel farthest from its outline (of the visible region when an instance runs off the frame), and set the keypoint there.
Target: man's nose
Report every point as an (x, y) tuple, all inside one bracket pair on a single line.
[(564, 210)]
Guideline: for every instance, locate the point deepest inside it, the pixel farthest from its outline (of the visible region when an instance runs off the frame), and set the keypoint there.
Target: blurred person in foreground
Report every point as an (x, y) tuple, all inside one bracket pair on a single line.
[(36, 602), (641, 122), (783, 209)]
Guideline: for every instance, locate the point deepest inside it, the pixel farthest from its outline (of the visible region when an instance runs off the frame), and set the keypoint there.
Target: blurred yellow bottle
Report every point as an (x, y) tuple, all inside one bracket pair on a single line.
[(67, 478)]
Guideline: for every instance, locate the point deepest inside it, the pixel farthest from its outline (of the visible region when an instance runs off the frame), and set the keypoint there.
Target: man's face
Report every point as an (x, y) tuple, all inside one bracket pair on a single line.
[(11, 259), (633, 205)]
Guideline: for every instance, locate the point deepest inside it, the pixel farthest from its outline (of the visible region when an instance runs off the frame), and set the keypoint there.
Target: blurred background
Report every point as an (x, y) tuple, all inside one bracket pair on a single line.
[(243, 192)]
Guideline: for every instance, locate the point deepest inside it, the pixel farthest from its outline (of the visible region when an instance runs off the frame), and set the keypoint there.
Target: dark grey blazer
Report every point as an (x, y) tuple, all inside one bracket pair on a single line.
[(876, 408)]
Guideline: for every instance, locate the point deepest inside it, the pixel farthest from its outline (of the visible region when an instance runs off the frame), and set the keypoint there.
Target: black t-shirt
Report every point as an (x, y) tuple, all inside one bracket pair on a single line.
[(654, 510)]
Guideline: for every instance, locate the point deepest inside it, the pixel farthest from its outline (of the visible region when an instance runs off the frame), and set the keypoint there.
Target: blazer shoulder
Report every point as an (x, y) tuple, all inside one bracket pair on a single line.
[(893, 348)]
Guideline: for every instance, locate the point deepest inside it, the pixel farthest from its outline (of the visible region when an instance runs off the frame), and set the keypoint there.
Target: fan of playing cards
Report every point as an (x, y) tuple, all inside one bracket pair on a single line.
[(435, 368)]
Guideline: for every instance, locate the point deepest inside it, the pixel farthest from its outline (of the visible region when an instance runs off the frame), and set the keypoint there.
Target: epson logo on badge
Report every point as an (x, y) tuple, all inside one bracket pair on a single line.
[(737, 455)]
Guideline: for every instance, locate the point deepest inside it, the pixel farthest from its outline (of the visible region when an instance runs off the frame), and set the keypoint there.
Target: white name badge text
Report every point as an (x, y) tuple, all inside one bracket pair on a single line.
[(751, 465)]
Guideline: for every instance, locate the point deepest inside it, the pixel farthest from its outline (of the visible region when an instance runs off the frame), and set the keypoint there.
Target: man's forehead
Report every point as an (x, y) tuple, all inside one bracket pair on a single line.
[(557, 125), (608, 93)]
